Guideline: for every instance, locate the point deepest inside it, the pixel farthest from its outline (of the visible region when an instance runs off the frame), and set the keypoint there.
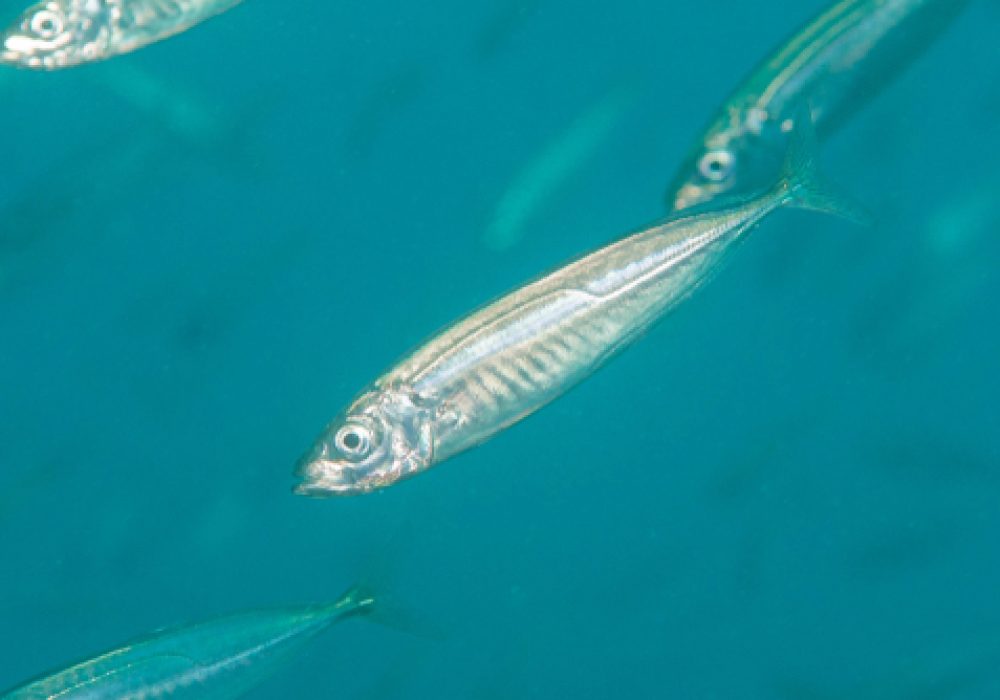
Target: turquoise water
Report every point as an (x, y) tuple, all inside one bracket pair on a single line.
[(787, 490)]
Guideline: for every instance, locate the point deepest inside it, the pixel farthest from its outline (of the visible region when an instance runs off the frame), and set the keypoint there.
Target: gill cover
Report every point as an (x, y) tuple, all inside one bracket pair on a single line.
[(384, 436)]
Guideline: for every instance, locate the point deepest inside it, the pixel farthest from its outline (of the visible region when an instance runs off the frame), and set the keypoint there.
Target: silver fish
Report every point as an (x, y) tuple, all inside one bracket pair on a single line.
[(834, 64), (219, 659), (510, 358), (61, 33)]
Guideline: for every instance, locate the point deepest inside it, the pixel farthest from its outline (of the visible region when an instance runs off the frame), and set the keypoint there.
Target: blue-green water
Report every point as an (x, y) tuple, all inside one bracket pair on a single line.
[(787, 490)]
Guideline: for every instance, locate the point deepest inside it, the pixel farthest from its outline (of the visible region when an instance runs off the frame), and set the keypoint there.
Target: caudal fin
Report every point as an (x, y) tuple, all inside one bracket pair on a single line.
[(378, 597), (803, 186)]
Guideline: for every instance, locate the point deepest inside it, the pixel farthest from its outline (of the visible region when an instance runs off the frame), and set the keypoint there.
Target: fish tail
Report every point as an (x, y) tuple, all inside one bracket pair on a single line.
[(380, 605), (378, 597), (358, 600), (803, 186)]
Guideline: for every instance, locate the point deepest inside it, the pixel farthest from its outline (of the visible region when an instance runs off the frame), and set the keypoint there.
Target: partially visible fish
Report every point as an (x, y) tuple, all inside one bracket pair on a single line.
[(220, 659), (512, 357), (951, 667), (157, 121), (938, 281), (835, 64), (61, 33), (205, 127), (508, 18), (388, 101), (539, 180)]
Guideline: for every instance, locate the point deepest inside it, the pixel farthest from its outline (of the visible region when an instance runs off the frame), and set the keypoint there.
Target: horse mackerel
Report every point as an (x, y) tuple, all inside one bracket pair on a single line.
[(835, 64), (510, 358)]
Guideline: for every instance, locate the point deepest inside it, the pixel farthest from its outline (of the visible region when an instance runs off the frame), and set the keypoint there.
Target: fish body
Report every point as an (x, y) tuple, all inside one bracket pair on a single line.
[(218, 659), (834, 65), (512, 357), (57, 34)]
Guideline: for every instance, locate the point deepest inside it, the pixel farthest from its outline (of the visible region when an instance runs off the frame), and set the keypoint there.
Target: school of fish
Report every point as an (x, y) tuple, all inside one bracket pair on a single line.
[(503, 362)]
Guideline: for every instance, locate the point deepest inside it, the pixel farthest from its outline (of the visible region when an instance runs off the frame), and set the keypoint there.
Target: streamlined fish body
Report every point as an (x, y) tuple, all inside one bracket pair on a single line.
[(507, 360), (834, 64), (62, 33), (218, 659)]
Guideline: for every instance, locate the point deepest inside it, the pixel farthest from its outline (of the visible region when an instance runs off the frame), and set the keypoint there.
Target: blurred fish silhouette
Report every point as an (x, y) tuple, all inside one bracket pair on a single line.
[(938, 284), (216, 132), (82, 179), (63, 33), (222, 658), (536, 184), (157, 121), (950, 668), (507, 20), (388, 100), (18, 489), (835, 64)]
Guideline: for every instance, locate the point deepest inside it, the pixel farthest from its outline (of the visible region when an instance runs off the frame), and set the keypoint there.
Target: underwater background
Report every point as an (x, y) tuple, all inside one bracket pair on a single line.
[(789, 489)]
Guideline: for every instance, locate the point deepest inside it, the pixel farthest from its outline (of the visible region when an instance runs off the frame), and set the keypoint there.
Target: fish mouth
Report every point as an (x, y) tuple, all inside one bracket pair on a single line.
[(687, 196), (30, 52), (311, 490), (10, 49), (320, 478)]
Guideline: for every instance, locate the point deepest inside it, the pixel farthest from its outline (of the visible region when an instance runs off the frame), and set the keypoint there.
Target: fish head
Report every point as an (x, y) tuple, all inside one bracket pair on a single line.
[(709, 174), (59, 33), (384, 436), (729, 160)]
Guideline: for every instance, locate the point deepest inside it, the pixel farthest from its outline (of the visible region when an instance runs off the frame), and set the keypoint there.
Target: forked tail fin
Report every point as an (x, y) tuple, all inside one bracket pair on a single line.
[(803, 186), (377, 596)]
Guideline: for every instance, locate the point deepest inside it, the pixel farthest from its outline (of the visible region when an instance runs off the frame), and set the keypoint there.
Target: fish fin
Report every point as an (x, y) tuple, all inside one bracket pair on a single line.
[(803, 186), (377, 593), (388, 611)]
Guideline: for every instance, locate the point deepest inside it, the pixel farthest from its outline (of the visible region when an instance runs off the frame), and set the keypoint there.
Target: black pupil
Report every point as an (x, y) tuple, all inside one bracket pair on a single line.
[(716, 166), (352, 441)]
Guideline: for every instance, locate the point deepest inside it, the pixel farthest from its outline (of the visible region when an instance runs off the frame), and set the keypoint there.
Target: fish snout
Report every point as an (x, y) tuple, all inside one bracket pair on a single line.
[(322, 477), (309, 490)]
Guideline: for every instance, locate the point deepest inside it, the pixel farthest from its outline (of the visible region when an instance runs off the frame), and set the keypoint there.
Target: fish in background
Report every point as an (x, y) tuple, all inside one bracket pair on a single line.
[(509, 17), (96, 173), (57, 34), (935, 458), (906, 549), (756, 472), (539, 181), (168, 125), (955, 666), (835, 64), (749, 466), (221, 658), (949, 268), (194, 321), (177, 111), (19, 489), (512, 357), (97, 176), (388, 100), (202, 125)]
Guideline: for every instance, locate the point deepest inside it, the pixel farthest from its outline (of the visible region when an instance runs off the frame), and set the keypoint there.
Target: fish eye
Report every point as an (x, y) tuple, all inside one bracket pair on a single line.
[(716, 165), (354, 440), (47, 24)]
